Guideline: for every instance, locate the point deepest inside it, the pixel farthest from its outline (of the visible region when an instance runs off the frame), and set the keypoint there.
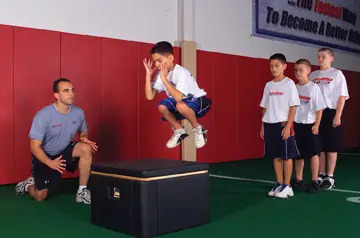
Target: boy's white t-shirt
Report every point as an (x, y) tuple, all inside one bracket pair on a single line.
[(332, 84), (278, 97), (182, 80), (311, 100)]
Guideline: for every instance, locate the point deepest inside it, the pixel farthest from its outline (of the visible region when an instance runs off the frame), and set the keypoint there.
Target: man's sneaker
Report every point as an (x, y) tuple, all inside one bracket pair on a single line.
[(298, 185), (314, 187), (200, 136), (176, 138), (274, 190), (20, 187), (284, 192), (84, 196), (328, 183)]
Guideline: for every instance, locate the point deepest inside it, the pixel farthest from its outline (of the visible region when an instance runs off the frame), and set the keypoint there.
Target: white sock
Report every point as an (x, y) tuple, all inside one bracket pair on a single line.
[(81, 187), (330, 175)]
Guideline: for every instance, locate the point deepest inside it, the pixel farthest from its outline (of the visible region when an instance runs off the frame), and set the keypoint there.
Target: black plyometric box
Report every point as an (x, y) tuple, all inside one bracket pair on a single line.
[(149, 197)]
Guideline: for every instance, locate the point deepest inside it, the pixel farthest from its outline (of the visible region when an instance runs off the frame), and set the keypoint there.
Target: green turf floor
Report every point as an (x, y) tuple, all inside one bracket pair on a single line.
[(238, 208)]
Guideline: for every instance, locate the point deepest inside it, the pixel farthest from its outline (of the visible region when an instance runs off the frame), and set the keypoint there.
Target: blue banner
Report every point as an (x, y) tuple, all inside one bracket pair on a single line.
[(326, 23)]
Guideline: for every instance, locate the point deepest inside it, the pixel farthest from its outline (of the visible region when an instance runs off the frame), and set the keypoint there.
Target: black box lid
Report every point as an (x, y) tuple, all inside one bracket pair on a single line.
[(147, 168)]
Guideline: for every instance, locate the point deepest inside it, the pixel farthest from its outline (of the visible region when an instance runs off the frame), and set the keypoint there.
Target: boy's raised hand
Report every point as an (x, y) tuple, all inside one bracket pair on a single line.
[(164, 70), (148, 64)]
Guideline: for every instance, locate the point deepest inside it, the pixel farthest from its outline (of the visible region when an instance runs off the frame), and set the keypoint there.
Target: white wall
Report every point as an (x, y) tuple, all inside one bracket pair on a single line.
[(138, 20), (216, 25)]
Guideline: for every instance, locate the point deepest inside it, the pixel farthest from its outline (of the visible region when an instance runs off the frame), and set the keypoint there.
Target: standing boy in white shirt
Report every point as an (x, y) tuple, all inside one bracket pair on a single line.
[(333, 87), (307, 121), (185, 99), (279, 103)]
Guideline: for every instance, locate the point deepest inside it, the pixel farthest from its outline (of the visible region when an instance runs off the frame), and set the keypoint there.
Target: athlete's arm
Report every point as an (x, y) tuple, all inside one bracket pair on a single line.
[(286, 131), (262, 124), (149, 91), (339, 109)]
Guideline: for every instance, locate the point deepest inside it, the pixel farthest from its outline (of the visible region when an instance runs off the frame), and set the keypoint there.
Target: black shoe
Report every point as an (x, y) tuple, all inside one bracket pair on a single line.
[(321, 178), (298, 185), (314, 187), (328, 183)]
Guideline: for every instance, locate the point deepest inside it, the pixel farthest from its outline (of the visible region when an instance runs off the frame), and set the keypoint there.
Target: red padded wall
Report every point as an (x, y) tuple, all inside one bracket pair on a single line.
[(290, 71), (250, 88), (120, 86), (36, 65), (225, 106), (351, 111), (6, 105), (205, 79)]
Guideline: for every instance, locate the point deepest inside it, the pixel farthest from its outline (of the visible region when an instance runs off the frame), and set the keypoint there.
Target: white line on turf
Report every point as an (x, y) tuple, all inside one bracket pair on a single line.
[(353, 199), (241, 179), (271, 182)]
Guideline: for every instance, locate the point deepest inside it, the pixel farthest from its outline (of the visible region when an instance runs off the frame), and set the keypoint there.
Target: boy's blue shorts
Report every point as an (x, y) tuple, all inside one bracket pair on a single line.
[(200, 106), (275, 146)]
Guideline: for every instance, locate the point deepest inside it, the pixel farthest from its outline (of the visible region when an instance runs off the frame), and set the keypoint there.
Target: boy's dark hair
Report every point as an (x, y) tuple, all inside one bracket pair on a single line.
[(304, 61), (328, 50), (278, 56), (163, 48), (56, 84)]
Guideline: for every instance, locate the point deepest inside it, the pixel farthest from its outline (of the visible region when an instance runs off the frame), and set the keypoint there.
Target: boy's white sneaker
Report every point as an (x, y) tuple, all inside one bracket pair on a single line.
[(290, 192), (284, 192), (274, 190), (200, 136), (176, 138)]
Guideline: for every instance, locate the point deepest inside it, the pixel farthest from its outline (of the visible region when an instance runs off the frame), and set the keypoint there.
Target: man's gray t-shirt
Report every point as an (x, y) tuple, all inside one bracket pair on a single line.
[(56, 130)]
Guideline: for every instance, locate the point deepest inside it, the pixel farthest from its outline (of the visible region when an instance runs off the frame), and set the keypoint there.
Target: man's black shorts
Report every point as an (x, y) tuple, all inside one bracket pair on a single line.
[(45, 177)]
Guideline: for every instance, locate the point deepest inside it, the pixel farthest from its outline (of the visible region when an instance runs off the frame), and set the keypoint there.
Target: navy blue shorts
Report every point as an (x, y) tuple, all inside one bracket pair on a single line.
[(45, 177), (275, 146), (199, 105)]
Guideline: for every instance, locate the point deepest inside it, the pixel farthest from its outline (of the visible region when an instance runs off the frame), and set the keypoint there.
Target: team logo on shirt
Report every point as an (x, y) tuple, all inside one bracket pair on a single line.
[(56, 125), (323, 80), (304, 99), (276, 93)]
